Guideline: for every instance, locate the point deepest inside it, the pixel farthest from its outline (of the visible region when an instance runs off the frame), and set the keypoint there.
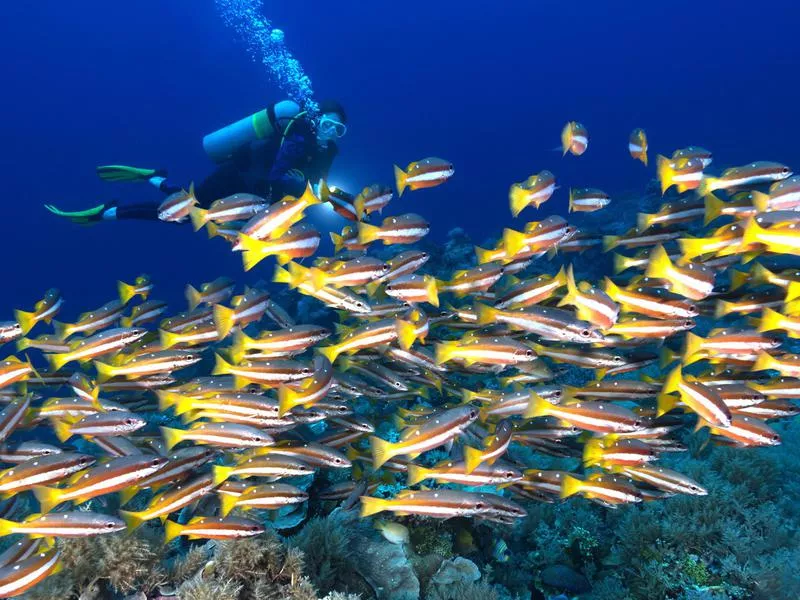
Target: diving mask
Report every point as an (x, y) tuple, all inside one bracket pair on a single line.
[(329, 128)]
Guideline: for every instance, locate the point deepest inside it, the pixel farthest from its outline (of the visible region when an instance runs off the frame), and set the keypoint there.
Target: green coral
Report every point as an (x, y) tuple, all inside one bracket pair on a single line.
[(427, 538), (325, 543)]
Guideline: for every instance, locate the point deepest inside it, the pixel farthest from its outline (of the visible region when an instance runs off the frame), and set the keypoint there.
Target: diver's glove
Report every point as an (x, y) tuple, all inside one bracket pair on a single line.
[(123, 173), (90, 216)]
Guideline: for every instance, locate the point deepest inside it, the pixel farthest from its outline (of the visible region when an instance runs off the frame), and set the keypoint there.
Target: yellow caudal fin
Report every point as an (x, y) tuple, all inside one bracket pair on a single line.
[(171, 530), (571, 205), (400, 180), (287, 400), (659, 265), (664, 173), (445, 351), (432, 290), (566, 138), (707, 185), (226, 503), (672, 381), (338, 241), (193, 297), (760, 201), (104, 371), (48, 498), (132, 519), (792, 291), (665, 403), (593, 452), (224, 320), (24, 344), (644, 220), (611, 289), (472, 458), (281, 275), (199, 217), (239, 345), (621, 263), (7, 527), (765, 362), (713, 208), (739, 278), (168, 339), (62, 429), (692, 346), (221, 366), (571, 297), (770, 320), (317, 276), (368, 233), (358, 204), (693, 247), (308, 197), (371, 506), (406, 334), (416, 474), (485, 314), (330, 352), (610, 242), (381, 451), (537, 407), (25, 320), (220, 474), (722, 308), (58, 360), (126, 291), (518, 199), (172, 437), (570, 486), (513, 241), (212, 229)]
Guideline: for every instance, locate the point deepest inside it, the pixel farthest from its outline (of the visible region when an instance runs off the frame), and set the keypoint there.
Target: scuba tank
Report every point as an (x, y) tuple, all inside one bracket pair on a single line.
[(222, 143)]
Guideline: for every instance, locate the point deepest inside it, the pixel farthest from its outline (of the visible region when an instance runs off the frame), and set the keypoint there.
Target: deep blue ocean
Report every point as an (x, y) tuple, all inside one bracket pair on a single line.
[(486, 85)]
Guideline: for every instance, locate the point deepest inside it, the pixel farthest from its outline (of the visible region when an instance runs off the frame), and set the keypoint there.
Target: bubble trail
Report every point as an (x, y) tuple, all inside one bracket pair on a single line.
[(265, 44)]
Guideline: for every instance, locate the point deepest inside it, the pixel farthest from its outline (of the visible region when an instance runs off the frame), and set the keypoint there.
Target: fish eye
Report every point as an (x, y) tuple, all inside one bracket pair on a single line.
[(85, 460), (110, 525), (129, 421), (47, 452), (258, 438), (360, 304), (155, 462), (618, 359), (637, 423), (585, 333), (473, 414), (337, 461), (384, 267), (510, 474), (480, 505), (557, 394), (785, 170), (688, 323), (528, 352), (424, 255), (398, 385), (775, 437), (254, 528), (306, 370)]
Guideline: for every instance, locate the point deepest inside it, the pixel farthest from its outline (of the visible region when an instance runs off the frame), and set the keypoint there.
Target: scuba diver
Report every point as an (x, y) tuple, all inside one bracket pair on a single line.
[(271, 153)]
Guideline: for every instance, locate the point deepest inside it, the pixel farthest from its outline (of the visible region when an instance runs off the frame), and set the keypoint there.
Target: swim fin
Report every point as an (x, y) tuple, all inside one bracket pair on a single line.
[(124, 173), (82, 217)]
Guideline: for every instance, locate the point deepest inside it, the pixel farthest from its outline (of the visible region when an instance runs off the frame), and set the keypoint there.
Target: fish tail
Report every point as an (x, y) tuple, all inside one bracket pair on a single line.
[(172, 437), (537, 407), (592, 452), (610, 242), (400, 179), (770, 320), (338, 241), (707, 185), (518, 199), (7, 527), (199, 217), (752, 233), (23, 344), (168, 338), (760, 201), (432, 290), (126, 321), (62, 429), (104, 371), (416, 474), (308, 197), (513, 241), (239, 345), (226, 503), (572, 294), (692, 346), (665, 173), (287, 399), (368, 233), (358, 204), (665, 403), (132, 519), (48, 498), (221, 366), (57, 360), (212, 230), (672, 381), (171, 530), (765, 362), (281, 275), (486, 314), (167, 400), (483, 255), (643, 157), (571, 205), (570, 486), (193, 297), (644, 220), (713, 208), (25, 320), (611, 289), (792, 291), (370, 505), (406, 333), (372, 288), (126, 291), (381, 451), (330, 352), (62, 330), (566, 138), (317, 276), (224, 320), (659, 264), (220, 474), (722, 308), (472, 458), (666, 357), (692, 247), (740, 278), (445, 351), (253, 251)]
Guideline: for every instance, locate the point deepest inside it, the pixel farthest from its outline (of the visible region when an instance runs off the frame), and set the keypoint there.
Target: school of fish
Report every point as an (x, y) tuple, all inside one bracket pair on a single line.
[(468, 362)]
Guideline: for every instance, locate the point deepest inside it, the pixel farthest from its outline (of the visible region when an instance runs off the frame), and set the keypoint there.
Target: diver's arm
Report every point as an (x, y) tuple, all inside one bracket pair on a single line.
[(284, 174), (144, 211)]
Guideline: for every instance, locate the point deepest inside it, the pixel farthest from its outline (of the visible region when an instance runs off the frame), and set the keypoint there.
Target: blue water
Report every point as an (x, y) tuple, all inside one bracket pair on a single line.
[(486, 85)]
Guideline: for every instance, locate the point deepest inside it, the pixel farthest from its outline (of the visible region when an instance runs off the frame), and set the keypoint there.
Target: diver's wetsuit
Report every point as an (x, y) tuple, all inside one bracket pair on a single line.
[(261, 168)]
